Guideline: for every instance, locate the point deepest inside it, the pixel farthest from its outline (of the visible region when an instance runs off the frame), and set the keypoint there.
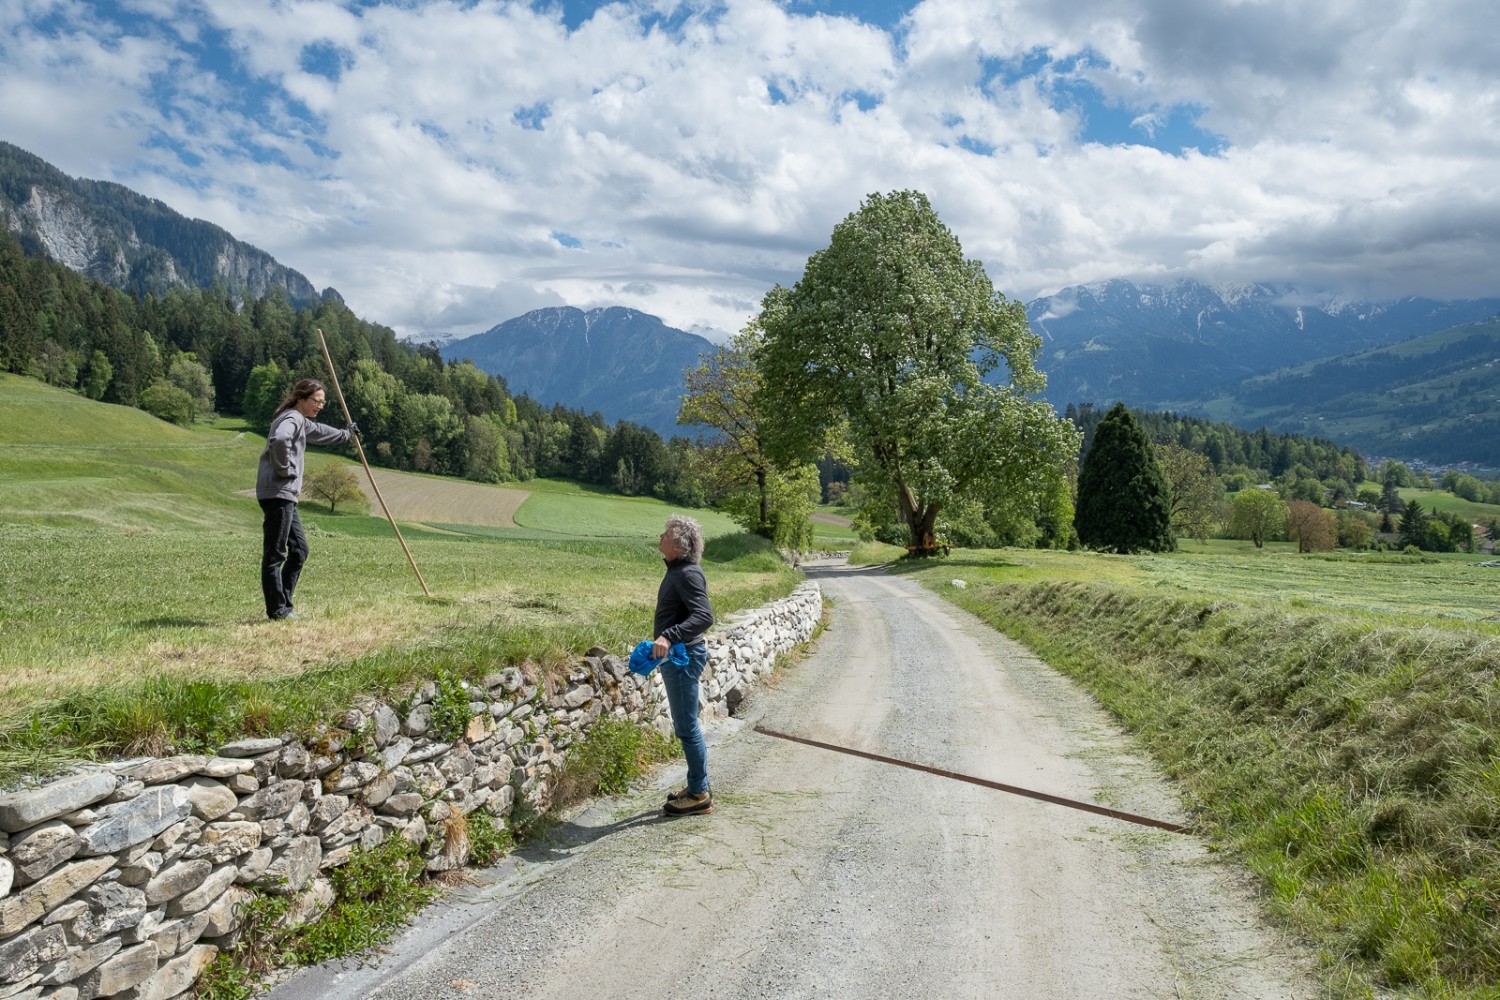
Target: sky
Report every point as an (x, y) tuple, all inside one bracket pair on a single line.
[(449, 165)]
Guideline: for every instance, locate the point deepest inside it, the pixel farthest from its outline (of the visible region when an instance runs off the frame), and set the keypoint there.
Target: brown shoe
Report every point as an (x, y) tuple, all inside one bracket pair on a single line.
[(681, 793), (689, 805)]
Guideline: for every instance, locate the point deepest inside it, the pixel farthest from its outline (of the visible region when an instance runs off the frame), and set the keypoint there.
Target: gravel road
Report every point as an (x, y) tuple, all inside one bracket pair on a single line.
[(824, 875)]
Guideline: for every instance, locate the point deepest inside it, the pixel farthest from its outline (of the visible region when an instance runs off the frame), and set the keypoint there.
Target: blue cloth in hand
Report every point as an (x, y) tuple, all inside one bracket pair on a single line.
[(642, 663)]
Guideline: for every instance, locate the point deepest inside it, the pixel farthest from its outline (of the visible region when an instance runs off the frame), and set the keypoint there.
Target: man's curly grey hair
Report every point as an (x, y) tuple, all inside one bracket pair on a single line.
[(687, 535)]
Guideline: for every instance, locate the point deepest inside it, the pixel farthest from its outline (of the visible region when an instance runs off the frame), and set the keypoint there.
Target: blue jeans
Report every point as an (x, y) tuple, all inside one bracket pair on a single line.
[(682, 699)]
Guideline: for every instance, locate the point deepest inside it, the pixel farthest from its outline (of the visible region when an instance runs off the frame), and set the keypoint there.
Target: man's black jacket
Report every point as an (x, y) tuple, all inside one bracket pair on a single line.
[(682, 611)]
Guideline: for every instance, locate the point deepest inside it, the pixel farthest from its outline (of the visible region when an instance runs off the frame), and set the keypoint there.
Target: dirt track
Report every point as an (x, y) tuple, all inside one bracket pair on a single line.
[(824, 875)]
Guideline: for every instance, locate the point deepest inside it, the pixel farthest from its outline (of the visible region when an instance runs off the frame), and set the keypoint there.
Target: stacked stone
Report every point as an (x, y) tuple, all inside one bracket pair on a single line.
[(126, 880)]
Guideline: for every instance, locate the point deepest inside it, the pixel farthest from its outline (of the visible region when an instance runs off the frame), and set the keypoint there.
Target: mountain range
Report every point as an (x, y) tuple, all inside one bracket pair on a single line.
[(1176, 346), (623, 363), (129, 241), (1414, 378)]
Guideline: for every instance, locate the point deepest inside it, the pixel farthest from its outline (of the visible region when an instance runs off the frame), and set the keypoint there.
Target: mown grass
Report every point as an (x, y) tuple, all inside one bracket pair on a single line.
[(831, 536), (1349, 753), (593, 516), (131, 619)]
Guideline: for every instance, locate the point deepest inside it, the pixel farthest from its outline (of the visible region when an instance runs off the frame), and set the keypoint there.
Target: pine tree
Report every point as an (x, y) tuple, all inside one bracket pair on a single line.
[(1123, 501), (1414, 526)]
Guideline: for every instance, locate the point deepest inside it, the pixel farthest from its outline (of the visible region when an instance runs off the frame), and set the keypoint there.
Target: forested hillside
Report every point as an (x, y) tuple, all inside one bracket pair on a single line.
[(1431, 396), (1240, 456), (185, 354)]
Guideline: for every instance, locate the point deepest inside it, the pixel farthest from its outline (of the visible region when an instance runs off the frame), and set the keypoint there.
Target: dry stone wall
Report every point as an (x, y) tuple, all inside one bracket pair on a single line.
[(125, 880)]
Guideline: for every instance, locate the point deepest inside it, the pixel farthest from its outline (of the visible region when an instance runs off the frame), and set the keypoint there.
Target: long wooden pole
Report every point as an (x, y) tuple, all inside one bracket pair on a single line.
[(333, 377)]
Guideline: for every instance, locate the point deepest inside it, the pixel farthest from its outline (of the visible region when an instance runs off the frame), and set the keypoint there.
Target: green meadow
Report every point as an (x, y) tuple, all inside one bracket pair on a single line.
[(131, 619)]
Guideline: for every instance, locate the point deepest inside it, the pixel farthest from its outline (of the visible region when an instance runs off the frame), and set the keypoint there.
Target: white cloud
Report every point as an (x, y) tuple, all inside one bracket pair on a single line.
[(420, 156)]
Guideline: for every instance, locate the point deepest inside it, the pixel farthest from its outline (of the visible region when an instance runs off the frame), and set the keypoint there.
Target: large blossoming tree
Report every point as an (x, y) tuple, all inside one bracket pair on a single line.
[(893, 333)]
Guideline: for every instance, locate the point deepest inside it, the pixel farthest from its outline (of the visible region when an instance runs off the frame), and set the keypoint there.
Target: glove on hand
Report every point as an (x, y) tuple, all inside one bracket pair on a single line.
[(353, 429)]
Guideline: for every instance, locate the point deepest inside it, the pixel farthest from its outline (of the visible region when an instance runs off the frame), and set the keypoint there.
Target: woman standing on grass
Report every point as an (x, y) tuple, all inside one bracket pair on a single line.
[(278, 484)]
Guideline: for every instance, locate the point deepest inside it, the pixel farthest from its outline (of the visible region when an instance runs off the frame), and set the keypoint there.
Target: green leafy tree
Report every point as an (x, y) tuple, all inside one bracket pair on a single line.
[(1466, 486), (166, 401), (371, 393), (1398, 474), (192, 378), (1195, 489), (1257, 515), (892, 332), (1124, 502), (787, 505), (334, 483), (264, 390), (721, 394), (1354, 529), (96, 378), (426, 423), (486, 459), (1460, 533)]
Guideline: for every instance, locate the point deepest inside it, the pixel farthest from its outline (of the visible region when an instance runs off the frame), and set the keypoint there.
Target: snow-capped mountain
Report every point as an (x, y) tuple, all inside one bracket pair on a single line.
[(1156, 346)]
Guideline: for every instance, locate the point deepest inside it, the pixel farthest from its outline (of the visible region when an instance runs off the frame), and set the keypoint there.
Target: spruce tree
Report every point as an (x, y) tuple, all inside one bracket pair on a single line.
[(1124, 504)]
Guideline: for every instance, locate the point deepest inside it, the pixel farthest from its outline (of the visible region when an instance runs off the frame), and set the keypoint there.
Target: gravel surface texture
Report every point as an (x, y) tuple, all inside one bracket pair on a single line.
[(824, 875)]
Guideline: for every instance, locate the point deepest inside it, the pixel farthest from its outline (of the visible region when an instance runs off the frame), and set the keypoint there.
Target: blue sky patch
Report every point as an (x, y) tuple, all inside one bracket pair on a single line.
[(975, 146), (1172, 130), (567, 240), (533, 117), (324, 59), (1106, 121), (865, 100), (881, 13)]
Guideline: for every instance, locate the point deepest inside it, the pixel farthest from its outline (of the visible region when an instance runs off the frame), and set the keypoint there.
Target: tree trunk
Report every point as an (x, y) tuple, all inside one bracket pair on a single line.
[(920, 522), (763, 528)]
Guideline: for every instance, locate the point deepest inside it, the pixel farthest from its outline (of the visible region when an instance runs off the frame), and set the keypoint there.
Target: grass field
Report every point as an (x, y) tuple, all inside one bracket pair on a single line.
[(413, 497), (1333, 721), (131, 561), (832, 530)]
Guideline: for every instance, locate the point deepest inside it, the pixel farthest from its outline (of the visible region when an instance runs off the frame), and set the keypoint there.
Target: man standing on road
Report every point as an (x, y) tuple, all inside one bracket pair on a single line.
[(278, 483), (683, 615)]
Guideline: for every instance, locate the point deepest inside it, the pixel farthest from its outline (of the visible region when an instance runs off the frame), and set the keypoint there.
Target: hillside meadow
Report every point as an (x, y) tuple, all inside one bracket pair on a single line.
[(1332, 721), (131, 619)]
